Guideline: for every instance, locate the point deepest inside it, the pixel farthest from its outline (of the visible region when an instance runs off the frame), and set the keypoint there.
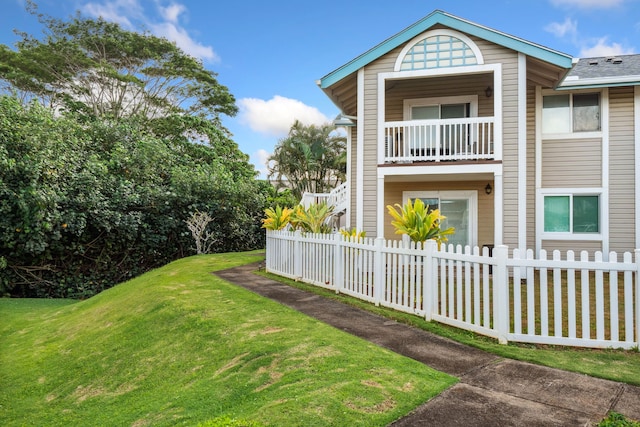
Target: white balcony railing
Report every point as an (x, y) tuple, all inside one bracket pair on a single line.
[(439, 140), (336, 198)]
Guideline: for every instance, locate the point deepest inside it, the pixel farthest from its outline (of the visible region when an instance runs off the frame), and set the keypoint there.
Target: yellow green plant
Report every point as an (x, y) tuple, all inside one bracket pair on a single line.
[(353, 233), (415, 220), (277, 218), (312, 219)]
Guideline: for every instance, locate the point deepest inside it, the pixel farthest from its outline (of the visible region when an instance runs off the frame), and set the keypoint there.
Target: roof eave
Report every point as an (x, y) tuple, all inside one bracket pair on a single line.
[(439, 17)]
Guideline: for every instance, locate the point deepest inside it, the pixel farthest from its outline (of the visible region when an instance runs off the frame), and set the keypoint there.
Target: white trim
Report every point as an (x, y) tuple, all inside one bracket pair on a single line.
[(498, 199), (347, 222), (360, 154), (436, 72), (380, 207), (381, 118), (604, 126), (539, 215), (522, 152), (636, 145), (440, 32), (575, 82), (488, 168), (470, 195), (441, 100), (498, 113)]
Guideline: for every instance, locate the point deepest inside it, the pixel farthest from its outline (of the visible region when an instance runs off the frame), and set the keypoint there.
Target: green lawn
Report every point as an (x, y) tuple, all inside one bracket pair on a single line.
[(617, 365), (179, 346)]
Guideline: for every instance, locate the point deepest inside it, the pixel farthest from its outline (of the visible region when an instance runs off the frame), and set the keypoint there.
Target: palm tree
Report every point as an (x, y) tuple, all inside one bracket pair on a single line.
[(310, 159)]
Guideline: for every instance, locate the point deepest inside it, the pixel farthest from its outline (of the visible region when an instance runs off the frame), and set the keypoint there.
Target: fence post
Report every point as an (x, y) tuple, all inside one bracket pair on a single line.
[(379, 271), (297, 255), (637, 253), (267, 251), (338, 268), (428, 281), (501, 293)]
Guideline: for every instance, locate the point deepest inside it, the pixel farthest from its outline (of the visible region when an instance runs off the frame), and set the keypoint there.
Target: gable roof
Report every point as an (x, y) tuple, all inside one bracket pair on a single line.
[(439, 17), (603, 71)]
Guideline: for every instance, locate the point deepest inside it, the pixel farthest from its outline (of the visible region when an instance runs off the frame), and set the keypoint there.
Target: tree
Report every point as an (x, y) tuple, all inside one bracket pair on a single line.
[(97, 67), (310, 159)]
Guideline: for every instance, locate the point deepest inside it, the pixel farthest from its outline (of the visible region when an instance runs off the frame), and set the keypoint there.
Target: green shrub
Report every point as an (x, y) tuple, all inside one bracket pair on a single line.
[(615, 419), (86, 204)]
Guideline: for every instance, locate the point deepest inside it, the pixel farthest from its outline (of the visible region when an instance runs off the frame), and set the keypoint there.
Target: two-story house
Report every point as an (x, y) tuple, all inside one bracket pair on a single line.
[(514, 142)]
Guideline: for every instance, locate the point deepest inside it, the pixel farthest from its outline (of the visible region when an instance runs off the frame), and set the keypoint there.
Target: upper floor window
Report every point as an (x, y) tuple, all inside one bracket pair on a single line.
[(568, 113), (438, 51)]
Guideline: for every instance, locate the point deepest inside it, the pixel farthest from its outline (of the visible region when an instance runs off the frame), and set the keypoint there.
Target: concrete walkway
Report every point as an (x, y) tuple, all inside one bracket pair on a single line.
[(492, 390)]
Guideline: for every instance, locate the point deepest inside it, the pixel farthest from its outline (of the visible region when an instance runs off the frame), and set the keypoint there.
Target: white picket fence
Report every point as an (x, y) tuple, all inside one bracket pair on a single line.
[(574, 302)]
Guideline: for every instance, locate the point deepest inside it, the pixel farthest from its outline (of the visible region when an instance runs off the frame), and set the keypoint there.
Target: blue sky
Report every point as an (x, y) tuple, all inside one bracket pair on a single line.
[(271, 53)]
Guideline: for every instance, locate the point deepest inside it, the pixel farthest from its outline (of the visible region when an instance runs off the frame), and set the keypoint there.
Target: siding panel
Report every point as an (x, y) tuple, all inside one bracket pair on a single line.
[(621, 170)]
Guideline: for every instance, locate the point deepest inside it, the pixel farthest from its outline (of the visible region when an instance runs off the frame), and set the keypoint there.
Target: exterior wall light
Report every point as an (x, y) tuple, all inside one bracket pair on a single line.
[(488, 189), (488, 91)]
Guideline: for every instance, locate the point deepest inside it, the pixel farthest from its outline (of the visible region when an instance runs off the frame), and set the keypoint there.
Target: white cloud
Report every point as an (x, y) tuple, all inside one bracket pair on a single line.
[(131, 15), (588, 4), (568, 27), (172, 12), (603, 48), (180, 36), (260, 159), (275, 116), (119, 11)]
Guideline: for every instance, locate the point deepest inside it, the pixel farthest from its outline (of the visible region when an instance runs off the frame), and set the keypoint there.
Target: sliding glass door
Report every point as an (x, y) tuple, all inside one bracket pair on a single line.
[(459, 208)]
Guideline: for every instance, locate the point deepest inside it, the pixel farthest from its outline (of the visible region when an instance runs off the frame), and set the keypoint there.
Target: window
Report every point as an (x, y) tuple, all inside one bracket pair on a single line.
[(571, 113), (572, 214)]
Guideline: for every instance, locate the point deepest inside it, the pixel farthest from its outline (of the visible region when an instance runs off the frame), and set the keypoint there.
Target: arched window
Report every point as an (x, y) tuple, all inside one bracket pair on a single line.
[(438, 51)]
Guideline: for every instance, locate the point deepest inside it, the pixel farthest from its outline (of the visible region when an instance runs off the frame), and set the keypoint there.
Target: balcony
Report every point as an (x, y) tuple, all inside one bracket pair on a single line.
[(442, 140)]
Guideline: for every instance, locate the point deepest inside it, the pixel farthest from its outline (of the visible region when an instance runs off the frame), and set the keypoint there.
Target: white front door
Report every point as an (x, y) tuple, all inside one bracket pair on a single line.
[(460, 209)]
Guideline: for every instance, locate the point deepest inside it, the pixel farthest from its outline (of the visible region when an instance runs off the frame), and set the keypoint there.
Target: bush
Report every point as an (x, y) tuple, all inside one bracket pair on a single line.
[(86, 204)]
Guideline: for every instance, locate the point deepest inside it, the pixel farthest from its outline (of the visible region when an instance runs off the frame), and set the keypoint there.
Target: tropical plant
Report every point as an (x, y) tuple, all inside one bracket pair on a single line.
[(312, 219), (310, 159), (277, 218), (416, 221), (353, 233)]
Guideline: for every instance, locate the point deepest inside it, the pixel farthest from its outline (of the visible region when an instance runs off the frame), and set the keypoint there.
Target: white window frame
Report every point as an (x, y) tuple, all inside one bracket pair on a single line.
[(572, 134), (570, 235), (470, 195)]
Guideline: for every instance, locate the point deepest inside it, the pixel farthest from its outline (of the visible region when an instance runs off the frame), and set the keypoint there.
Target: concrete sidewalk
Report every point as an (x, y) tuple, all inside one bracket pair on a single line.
[(492, 390)]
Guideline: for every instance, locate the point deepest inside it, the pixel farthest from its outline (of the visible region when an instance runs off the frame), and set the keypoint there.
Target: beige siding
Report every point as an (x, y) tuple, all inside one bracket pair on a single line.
[(621, 170), (370, 122), (393, 194), (509, 61), (531, 167), (397, 91), (572, 163)]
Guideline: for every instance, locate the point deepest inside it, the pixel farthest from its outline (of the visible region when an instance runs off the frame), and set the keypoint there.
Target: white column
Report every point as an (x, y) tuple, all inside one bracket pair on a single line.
[(498, 208), (360, 154), (636, 131), (522, 152)]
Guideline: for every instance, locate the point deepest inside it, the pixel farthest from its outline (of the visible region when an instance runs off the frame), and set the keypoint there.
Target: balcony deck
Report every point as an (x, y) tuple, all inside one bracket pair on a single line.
[(439, 140)]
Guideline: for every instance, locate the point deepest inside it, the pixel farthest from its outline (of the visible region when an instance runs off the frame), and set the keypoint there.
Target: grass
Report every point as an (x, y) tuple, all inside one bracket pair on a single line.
[(179, 346), (617, 365)]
